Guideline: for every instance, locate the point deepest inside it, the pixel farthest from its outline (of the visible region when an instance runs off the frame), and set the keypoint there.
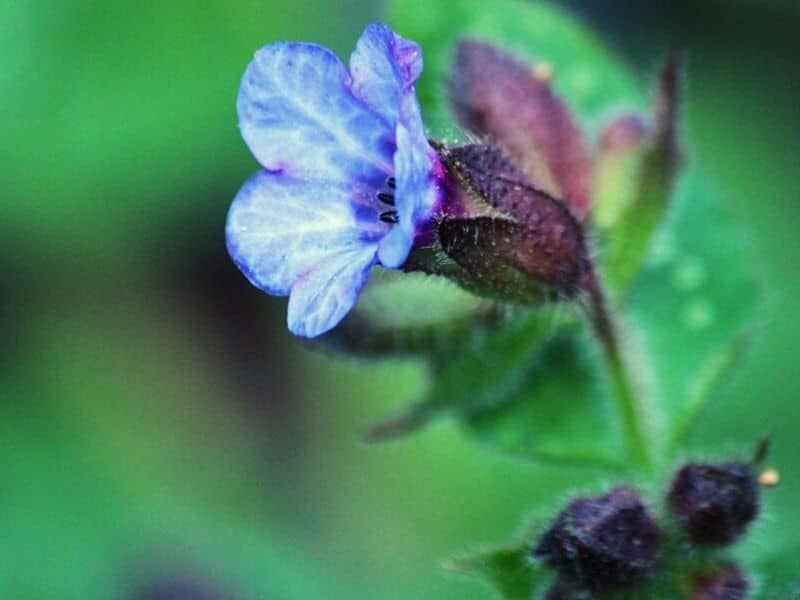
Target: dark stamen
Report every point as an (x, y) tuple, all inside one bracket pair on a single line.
[(389, 216), (391, 182), (386, 198)]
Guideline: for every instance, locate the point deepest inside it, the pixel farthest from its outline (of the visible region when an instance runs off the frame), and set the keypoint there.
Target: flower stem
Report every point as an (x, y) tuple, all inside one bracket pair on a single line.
[(629, 400)]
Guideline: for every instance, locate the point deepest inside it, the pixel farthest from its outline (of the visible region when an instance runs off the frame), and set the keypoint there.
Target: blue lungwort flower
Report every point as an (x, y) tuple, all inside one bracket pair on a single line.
[(349, 178)]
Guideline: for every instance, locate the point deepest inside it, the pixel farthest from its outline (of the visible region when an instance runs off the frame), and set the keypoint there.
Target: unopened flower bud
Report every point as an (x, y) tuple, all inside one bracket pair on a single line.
[(725, 583), (525, 242), (501, 98), (603, 542), (714, 503)]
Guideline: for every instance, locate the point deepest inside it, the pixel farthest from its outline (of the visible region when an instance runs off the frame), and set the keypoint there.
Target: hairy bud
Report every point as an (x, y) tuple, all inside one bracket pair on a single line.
[(714, 502), (535, 247), (603, 542), (725, 583), (501, 98)]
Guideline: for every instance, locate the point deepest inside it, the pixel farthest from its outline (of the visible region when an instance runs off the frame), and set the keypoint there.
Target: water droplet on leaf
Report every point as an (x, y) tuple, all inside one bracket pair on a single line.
[(698, 314), (689, 274)]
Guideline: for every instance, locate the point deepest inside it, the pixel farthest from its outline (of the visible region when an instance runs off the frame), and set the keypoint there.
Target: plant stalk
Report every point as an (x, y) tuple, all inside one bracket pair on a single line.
[(629, 401)]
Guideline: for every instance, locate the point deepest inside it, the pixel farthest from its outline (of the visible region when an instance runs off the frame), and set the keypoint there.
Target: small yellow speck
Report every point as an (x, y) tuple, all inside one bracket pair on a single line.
[(769, 478), (543, 71)]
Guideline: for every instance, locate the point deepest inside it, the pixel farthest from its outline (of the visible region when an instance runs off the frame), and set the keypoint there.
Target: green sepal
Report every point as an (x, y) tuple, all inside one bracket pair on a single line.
[(653, 174), (510, 571)]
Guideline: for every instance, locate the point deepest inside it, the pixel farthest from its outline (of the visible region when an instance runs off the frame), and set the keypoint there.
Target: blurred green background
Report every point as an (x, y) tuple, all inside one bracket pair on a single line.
[(162, 433)]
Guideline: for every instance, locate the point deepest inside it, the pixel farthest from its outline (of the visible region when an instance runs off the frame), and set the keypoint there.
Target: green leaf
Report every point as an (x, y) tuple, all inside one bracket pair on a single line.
[(695, 302), (561, 413), (777, 574), (546, 406), (481, 371), (696, 269), (509, 571), (116, 90), (494, 365)]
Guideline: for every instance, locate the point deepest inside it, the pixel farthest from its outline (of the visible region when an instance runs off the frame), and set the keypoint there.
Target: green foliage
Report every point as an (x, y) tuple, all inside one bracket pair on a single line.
[(486, 374), (694, 303), (131, 433), (537, 388), (510, 571), (653, 177), (493, 365), (588, 77), (101, 111), (561, 412), (695, 262), (780, 579), (479, 371)]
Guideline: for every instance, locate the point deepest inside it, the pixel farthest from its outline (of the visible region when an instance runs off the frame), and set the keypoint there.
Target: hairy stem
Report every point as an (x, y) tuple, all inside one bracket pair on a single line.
[(629, 399)]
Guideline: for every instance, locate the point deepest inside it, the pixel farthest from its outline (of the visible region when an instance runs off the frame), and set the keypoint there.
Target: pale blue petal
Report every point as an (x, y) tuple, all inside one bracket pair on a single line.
[(384, 67), (417, 193), (325, 294), (298, 115), (279, 227)]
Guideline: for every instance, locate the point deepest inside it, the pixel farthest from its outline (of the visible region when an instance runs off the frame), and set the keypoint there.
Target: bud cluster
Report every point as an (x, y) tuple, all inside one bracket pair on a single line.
[(524, 189), (613, 541), (714, 503), (602, 542)]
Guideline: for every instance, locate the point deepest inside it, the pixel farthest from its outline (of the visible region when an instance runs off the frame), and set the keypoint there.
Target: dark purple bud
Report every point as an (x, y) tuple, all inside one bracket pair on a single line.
[(538, 250), (724, 583), (496, 96), (514, 261), (714, 503), (488, 173), (604, 542)]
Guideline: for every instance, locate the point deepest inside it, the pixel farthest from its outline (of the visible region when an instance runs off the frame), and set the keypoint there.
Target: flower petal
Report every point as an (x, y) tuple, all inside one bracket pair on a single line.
[(417, 193), (298, 115), (325, 294), (384, 67), (279, 227)]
